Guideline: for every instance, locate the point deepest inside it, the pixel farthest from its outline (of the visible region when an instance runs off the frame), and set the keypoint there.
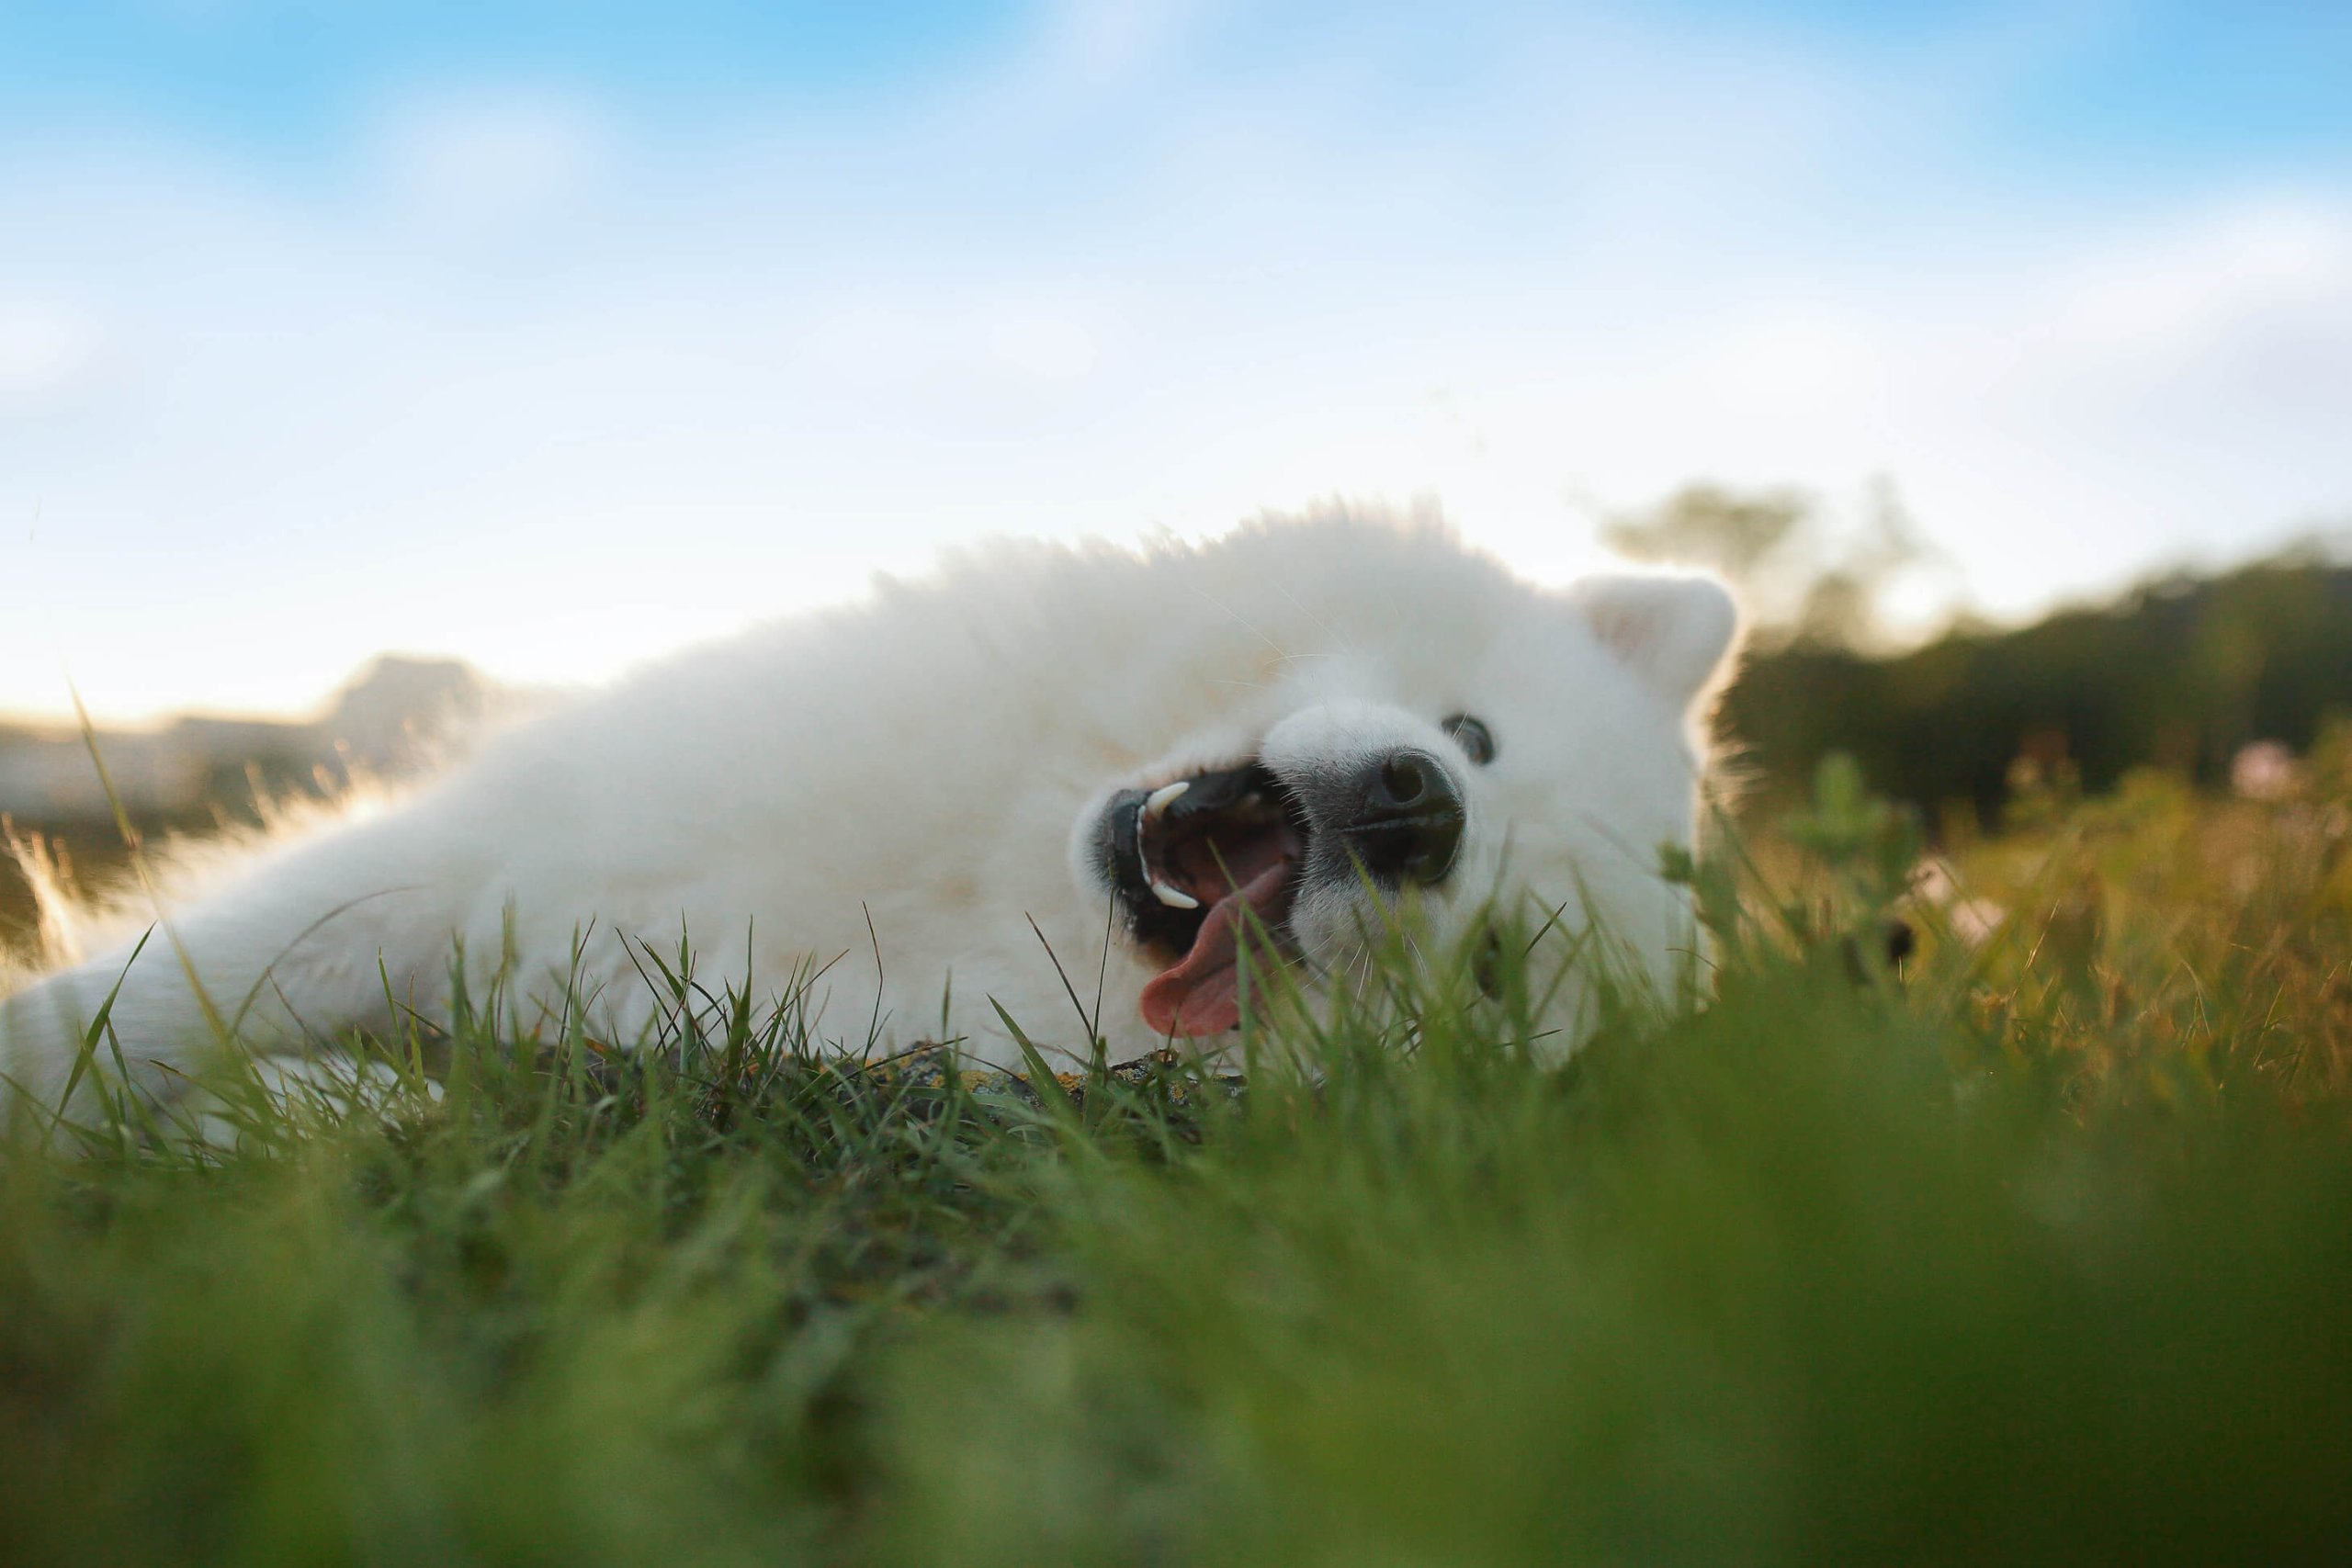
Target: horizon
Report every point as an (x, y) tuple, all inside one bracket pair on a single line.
[(2329, 549), (554, 337)]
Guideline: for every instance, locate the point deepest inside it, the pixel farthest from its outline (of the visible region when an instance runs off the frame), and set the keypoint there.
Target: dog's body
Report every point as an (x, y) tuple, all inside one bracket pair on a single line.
[(962, 756)]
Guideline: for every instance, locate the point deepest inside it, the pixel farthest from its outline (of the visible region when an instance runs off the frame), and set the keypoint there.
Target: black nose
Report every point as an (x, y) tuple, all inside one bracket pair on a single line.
[(1408, 819)]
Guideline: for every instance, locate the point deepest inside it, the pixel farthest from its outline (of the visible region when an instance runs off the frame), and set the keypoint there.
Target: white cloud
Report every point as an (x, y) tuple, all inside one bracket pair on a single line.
[(487, 158), (2178, 290), (1095, 42), (48, 352), (961, 351)]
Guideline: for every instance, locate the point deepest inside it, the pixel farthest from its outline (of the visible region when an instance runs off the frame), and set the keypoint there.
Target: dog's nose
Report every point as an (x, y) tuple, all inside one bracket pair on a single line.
[(1408, 819)]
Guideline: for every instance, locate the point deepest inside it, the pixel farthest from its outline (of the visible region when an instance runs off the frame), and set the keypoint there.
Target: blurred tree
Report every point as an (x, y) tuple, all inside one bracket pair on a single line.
[(1800, 579), (1706, 525)]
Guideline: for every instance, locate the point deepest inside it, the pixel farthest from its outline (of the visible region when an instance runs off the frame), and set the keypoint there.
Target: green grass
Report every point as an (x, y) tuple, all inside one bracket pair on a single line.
[(2035, 1248)]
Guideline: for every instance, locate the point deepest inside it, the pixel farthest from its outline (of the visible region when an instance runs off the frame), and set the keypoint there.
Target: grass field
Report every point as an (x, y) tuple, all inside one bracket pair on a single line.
[(2037, 1245)]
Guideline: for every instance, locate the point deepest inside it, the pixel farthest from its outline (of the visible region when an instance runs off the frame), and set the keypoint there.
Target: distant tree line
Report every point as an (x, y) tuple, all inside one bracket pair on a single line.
[(2180, 673)]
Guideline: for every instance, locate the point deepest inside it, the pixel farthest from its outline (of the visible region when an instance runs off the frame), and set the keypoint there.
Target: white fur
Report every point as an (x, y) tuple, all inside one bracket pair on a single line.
[(931, 760)]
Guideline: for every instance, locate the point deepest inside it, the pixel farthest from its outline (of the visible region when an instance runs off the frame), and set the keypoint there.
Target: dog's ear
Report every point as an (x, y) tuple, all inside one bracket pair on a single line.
[(1674, 632)]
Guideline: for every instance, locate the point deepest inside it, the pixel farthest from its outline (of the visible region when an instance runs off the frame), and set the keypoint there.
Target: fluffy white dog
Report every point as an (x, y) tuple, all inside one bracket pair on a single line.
[(1294, 734)]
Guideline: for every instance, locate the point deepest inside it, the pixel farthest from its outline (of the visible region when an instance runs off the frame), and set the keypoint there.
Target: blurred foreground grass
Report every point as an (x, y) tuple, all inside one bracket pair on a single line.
[(2035, 1245)]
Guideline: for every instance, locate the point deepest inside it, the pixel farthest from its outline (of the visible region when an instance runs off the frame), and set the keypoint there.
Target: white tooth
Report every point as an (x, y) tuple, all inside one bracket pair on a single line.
[(1174, 897), (1160, 798)]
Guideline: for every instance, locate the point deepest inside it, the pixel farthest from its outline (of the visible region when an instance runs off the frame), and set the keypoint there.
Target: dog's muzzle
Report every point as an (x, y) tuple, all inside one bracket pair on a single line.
[(1206, 865)]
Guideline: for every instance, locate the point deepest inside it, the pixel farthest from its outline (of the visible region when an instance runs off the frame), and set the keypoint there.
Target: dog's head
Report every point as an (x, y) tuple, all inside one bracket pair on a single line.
[(1506, 749)]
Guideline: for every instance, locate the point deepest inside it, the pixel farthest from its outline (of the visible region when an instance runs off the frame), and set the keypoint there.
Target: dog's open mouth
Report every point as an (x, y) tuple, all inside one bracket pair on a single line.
[(1202, 864)]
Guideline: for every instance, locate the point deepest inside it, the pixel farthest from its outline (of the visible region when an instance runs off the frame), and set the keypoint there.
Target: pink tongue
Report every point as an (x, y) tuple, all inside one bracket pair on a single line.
[(1202, 995)]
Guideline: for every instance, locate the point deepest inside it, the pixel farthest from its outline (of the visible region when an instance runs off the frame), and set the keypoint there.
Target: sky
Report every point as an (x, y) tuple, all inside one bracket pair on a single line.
[(558, 334)]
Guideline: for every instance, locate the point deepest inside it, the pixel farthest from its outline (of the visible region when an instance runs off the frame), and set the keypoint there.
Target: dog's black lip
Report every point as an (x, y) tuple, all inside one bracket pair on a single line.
[(1159, 926)]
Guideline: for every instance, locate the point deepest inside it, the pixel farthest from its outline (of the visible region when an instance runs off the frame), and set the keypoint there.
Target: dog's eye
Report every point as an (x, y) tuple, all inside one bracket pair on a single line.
[(1472, 735)]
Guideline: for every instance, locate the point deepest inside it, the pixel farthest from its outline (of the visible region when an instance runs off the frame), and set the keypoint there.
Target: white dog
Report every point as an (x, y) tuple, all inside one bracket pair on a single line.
[(1300, 730)]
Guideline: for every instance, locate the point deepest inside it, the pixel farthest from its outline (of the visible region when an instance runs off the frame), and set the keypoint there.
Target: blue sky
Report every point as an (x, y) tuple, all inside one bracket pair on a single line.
[(558, 334)]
